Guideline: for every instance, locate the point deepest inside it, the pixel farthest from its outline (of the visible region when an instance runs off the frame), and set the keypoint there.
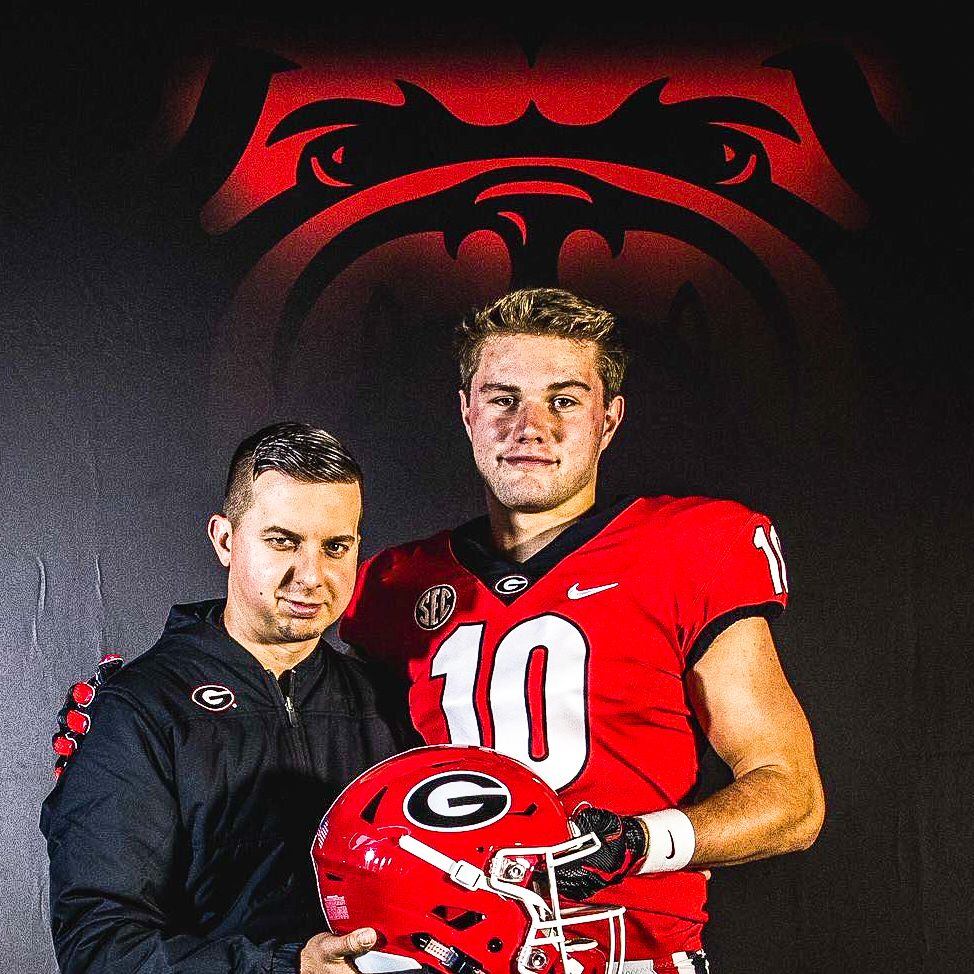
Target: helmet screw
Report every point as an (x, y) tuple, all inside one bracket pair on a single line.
[(537, 960), (515, 872), (494, 945)]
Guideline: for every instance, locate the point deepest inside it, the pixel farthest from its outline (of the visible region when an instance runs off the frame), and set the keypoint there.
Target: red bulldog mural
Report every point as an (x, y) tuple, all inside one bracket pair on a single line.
[(726, 179)]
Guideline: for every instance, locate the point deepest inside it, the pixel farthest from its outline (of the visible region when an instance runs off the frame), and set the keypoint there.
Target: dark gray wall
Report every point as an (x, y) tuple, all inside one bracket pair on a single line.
[(119, 416)]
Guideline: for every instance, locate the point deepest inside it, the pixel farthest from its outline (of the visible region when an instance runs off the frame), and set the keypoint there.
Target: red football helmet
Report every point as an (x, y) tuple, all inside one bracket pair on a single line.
[(450, 853)]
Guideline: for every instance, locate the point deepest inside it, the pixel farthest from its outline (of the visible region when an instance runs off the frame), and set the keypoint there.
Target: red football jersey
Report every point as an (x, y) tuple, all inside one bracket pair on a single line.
[(573, 661)]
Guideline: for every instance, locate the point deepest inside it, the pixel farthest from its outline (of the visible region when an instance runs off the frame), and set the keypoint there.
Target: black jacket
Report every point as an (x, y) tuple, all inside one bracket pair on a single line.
[(179, 834)]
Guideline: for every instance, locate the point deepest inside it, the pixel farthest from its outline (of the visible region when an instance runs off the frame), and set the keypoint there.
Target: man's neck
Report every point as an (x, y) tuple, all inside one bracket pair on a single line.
[(521, 534), (276, 657)]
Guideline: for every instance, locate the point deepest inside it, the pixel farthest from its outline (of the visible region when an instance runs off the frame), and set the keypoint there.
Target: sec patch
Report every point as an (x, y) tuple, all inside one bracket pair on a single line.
[(435, 606)]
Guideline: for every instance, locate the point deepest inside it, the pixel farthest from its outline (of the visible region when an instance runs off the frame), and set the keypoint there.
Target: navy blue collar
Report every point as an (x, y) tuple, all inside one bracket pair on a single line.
[(472, 546)]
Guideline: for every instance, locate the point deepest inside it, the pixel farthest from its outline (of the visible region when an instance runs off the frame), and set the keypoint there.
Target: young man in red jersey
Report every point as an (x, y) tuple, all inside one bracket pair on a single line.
[(593, 644)]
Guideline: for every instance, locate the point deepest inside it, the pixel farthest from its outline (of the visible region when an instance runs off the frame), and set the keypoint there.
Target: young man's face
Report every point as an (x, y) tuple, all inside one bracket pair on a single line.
[(292, 558), (537, 419)]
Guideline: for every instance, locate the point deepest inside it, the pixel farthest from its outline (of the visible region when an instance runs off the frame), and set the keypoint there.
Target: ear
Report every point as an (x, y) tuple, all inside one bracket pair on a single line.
[(220, 532), (465, 412), (611, 421)]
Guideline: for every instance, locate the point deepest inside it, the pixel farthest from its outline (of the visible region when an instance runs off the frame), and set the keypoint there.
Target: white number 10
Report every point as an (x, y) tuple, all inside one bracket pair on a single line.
[(562, 703), (776, 561)]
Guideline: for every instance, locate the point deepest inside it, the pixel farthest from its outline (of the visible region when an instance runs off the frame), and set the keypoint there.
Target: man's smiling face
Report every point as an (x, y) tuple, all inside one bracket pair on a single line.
[(537, 419)]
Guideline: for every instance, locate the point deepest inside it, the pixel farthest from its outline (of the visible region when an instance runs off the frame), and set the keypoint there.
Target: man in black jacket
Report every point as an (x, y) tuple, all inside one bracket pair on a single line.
[(179, 835)]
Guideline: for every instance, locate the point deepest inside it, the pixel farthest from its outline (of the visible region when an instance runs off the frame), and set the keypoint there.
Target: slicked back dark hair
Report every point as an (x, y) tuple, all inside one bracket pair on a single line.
[(306, 453)]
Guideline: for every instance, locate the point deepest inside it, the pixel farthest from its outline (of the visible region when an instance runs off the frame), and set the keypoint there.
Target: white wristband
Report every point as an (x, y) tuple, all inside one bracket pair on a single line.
[(671, 841)]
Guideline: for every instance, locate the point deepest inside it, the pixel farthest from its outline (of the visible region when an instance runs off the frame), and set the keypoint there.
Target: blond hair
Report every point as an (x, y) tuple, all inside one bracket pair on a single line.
[(544, 311)]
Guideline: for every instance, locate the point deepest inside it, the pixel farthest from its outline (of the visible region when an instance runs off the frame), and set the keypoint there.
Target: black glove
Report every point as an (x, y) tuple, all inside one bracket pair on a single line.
[(73, 720), (624, 846)]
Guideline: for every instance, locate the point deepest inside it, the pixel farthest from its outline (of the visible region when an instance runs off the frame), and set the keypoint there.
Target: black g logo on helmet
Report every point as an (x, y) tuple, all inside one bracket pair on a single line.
[(457, 801)]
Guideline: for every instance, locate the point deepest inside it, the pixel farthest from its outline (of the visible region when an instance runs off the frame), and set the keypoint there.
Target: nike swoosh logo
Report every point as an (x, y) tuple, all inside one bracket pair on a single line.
[(583, 593), (672, 846)]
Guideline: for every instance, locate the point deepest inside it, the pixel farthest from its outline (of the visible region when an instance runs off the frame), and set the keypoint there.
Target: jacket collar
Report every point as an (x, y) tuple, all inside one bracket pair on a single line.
[(202, 624)]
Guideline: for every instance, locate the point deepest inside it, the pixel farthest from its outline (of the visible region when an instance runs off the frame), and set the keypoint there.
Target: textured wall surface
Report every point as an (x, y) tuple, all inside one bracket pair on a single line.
[(121, 405)]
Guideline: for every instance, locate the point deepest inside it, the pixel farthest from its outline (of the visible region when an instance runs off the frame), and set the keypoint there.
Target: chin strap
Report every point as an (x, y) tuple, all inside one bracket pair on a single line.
[(464, 874)]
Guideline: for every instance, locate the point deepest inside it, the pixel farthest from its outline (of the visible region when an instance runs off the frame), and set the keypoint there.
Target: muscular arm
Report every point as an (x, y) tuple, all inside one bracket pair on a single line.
[(775, 803), (754, 722)]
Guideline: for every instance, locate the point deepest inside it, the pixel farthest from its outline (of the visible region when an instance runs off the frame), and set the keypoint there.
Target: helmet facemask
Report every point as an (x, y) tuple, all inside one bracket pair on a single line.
[(527, 875)]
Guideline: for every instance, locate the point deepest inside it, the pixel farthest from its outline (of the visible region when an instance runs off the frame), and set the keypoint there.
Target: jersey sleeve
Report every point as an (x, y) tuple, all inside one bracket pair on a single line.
[(367, 624), (739, 571)]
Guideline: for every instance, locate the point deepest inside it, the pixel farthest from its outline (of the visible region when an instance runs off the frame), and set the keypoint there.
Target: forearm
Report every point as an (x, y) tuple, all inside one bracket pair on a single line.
[(766, 812)]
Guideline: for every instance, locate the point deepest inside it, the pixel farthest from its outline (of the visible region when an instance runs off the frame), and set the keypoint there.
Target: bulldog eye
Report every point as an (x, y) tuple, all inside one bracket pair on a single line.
[(741, 166), (327, 160), (742, 158)]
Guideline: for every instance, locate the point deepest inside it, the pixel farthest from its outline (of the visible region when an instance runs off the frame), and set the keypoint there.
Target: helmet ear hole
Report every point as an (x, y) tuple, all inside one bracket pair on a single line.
[(457, 917), (369, 812)]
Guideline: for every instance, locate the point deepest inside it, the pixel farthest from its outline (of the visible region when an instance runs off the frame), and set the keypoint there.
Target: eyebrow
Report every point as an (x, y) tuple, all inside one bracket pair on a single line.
[(553, 387), (569, 384), (293, 536)]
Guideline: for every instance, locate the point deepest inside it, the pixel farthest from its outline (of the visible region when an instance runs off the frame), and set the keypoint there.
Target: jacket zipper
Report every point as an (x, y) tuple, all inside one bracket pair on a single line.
[(304, 758), (291, 715)]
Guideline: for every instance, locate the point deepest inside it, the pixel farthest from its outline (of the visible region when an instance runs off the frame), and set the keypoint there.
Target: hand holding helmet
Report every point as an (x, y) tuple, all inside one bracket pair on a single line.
[(328, 954), (624, 842), (73, 719)]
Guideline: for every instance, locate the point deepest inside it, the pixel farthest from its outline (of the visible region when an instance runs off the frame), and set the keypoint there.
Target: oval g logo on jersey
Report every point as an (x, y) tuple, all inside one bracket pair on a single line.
[(510, 584), (435, 606), (457, 801), (213, 697)]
